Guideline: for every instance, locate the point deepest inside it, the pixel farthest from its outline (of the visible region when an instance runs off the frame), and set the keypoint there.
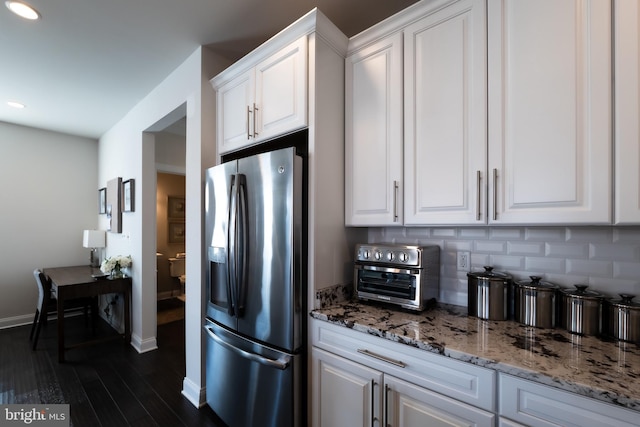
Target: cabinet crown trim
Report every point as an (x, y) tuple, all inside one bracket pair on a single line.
[(395, 23), (313, 22)]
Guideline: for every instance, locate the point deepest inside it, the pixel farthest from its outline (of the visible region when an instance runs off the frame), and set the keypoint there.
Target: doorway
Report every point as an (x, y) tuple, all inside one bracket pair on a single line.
[(170, 162)]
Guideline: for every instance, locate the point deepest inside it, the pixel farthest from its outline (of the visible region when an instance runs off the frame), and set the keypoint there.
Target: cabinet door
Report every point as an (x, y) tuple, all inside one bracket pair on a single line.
[(408, 405), (281, 92), (549, 111), (235, 116), (344, 393), (627, 108), (373, 139), (445, 116)]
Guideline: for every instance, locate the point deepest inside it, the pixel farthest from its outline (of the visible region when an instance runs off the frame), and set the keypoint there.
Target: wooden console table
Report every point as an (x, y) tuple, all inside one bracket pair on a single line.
[(77, 282)]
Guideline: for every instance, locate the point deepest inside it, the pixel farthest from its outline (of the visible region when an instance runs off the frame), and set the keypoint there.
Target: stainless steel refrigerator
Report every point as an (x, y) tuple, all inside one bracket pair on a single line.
[(255, 372)]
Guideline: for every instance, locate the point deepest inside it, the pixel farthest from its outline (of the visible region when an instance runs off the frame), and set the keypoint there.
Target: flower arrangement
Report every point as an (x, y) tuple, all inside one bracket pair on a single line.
[(114, 265)]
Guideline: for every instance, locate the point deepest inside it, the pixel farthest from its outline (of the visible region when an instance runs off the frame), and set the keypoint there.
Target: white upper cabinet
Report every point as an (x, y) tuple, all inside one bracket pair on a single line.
[(373, 134), (281, 91), (235, 101), (268, 100), (627, 108), (445, 141), (507, 116), (549, 118)]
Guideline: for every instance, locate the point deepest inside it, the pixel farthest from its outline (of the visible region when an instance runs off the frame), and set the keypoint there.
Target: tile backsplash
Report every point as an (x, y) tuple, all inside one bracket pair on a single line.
[(607, 259)]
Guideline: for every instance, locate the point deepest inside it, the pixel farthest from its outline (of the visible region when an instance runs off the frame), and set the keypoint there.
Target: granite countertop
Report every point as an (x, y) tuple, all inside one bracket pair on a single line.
[(605, 370)]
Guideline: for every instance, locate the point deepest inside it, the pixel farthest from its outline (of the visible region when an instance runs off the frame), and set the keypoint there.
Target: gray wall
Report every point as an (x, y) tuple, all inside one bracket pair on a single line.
[(49, 194)]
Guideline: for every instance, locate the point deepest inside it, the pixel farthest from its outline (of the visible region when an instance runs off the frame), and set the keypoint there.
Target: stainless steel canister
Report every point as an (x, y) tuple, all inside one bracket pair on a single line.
[(580, 310), (536, 303), (621, 318), (489, 294)]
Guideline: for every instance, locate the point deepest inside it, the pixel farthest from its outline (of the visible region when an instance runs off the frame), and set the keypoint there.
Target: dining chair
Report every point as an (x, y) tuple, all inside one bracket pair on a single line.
[(44, 306), (47, 303)]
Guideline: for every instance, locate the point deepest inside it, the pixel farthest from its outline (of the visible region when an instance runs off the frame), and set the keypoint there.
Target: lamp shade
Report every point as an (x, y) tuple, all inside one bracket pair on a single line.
[(93, 239)]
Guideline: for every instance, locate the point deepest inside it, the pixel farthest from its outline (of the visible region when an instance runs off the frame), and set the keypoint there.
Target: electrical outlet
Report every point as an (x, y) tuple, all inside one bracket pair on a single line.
[(464, 261)]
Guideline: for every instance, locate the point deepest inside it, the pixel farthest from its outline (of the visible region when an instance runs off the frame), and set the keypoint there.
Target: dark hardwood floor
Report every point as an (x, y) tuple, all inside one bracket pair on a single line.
[(107, 384)]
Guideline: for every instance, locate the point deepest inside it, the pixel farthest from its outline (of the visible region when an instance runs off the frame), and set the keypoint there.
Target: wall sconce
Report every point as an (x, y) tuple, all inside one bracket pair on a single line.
[(94, 239)]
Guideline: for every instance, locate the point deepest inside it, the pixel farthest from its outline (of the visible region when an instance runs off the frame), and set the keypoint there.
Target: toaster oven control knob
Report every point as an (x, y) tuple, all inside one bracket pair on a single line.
[(390, 256), (378, 255), (403, 257), (365, 254)]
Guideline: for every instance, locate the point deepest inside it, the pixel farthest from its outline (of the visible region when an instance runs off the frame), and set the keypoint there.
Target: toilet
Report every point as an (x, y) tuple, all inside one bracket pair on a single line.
[(177, 269)]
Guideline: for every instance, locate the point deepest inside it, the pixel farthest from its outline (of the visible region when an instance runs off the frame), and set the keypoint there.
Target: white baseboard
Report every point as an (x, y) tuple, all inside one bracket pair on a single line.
[(11, 322), (194, 393), (141, 346), (27, 319)]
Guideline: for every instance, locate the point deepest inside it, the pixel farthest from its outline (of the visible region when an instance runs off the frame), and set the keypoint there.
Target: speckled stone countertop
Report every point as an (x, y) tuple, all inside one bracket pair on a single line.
[(603, 370)]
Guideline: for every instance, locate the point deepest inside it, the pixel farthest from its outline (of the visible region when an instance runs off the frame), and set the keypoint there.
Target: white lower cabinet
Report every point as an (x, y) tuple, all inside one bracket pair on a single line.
[(362, 380), (408, 405), (534, 404), (350, 394), (344, 393)]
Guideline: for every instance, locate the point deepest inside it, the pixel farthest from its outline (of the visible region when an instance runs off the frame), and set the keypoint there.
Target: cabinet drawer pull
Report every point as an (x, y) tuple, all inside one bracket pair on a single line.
[(383, 358)]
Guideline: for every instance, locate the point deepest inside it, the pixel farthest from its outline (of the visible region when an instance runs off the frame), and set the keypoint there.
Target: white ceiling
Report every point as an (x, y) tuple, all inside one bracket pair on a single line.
[(85, 64)]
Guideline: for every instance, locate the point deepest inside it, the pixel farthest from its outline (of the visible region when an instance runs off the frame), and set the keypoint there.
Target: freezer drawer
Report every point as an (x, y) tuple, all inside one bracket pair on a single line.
[(249, 384)]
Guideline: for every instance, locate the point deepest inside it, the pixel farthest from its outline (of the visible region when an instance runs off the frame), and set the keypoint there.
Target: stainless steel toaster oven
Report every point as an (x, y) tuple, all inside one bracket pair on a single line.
[(404, 275)]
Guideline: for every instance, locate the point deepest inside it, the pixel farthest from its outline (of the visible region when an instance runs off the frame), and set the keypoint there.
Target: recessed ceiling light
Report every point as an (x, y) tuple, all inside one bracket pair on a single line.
[(15, 104), (22, 9)]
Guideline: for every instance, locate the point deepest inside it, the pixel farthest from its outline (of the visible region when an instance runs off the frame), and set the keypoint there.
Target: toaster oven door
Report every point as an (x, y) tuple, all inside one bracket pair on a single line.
[(399, 286)]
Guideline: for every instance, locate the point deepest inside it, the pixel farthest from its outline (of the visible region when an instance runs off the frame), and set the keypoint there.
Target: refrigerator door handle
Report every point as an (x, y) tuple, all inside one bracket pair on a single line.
[(242, 244), (278, 364), (231, 245)]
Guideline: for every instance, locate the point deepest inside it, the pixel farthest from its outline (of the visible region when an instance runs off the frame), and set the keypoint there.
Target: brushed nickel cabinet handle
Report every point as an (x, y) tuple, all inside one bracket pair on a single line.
[(383, 358), (248, 113), (478, 207), (395, 201), (387, 389), (255, 113), (373, 417), (495, 194)]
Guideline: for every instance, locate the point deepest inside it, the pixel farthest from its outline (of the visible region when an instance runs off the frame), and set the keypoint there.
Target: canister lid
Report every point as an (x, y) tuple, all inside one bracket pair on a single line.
[(581, 292), (625, 301), (537, 284), (489, 274)]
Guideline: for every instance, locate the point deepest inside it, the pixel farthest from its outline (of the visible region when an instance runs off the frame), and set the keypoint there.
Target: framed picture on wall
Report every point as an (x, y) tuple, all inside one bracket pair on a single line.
[(176, 232), (128, 195), (102, 200), (175, 207)]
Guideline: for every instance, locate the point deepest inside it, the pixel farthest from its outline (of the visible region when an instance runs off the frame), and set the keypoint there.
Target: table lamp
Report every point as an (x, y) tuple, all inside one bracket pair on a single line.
[(94, 239)]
